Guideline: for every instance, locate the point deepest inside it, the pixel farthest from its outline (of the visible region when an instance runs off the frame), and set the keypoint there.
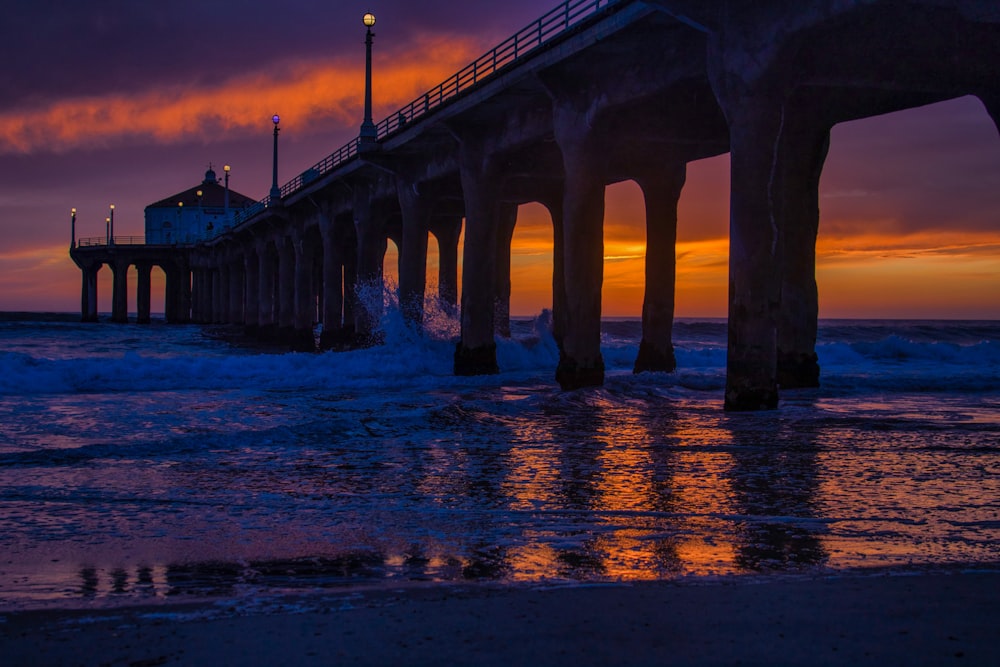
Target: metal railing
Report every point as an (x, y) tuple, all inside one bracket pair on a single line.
[(523, 42), (92, 241), (515, 48)]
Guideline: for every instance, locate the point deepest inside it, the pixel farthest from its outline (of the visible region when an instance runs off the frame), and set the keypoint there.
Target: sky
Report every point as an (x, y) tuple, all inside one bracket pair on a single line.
[(125, 103)]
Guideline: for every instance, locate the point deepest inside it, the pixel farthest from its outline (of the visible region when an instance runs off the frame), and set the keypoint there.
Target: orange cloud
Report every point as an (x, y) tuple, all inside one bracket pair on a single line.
[(874, 246), (304, 93)]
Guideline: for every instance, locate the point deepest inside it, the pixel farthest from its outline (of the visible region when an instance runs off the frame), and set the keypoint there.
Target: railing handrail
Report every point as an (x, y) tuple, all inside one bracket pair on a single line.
[(515, 48), (91, 241)]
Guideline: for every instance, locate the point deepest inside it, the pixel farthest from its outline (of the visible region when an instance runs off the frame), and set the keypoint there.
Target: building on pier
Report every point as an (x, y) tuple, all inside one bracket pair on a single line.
[(173, 226), (200, 212)]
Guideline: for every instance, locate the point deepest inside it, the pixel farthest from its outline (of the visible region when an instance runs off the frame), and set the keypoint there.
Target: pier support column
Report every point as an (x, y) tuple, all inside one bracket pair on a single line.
[(553, 202), (371, 244), (755, 113), (173, 300), (206, 294), (119, 296), (349, 241), (210, 287), (416, 210), (196, 301), (991, 100), (236, 282), (506, 221), (286, 289), (802, 152), (447, 232), (476, 352), (581, 363), (226, 275), (182, 297), (661, 191), (251, 307), (143, 293), (305, 302), (267, 277), (201, 290), (218, 290), (196, 304), (332, 306), (88, 292)]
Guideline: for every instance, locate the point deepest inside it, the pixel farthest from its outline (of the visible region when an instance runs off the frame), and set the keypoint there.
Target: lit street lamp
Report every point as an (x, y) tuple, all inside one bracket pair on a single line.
[(275, 190), (368, 131), (111, 226), (72, 226), (226, 200)]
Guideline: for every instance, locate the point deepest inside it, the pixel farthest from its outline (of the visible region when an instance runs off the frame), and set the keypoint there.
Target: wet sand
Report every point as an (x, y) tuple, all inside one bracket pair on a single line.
[(883, 619)]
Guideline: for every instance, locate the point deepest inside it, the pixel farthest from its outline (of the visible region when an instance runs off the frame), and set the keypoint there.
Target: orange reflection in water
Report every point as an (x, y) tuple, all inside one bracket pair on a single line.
[(639, 503)]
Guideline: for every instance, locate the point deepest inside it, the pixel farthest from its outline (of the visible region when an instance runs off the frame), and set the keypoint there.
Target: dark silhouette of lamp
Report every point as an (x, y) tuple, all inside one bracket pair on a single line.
[(369, 133), (275, 190)]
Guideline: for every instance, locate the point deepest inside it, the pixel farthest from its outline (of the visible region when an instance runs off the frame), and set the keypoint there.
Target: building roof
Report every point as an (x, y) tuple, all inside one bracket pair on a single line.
[(213, 195)]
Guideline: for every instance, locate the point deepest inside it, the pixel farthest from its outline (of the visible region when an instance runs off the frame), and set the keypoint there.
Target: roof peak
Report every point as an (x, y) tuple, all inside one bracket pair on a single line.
[(210, 176)]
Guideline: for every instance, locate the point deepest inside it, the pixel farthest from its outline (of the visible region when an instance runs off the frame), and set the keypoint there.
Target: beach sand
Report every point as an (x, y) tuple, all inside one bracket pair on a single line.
[(851, 619)]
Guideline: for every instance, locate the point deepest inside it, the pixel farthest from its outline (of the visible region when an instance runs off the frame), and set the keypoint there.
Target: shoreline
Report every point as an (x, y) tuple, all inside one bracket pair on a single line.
[(892, 617)]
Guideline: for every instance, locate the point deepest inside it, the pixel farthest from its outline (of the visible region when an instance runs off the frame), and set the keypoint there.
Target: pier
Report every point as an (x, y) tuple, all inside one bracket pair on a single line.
[(593, 93)]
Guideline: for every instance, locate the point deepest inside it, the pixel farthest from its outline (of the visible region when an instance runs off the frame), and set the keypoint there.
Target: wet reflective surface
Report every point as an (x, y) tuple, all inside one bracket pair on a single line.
[(172, 492)]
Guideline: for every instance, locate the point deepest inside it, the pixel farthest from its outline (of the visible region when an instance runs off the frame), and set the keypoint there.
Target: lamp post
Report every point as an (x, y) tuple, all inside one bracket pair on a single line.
[(197, 222), (107, 231), (368, 131), (225, 203), (72, 227), (275, 190), (111, 225)]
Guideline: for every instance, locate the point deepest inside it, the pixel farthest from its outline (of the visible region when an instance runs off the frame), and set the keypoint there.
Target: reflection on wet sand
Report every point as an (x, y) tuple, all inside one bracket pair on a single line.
[(592, 491), (775, 482), (581, 486)]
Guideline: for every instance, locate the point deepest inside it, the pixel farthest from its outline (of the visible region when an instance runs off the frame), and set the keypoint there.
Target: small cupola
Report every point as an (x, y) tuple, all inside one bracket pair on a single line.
[(210, 176)]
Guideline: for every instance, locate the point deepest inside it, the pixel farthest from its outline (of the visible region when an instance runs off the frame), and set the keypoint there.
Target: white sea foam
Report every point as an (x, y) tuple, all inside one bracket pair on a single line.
[(413, 354)]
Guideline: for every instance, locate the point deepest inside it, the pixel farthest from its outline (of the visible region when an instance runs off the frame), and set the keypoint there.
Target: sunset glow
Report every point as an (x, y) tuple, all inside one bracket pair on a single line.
[(908, 202), (313, 92)]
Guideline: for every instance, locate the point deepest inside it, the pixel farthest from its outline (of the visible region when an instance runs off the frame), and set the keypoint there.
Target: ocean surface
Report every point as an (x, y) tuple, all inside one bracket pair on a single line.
[(156, 463)]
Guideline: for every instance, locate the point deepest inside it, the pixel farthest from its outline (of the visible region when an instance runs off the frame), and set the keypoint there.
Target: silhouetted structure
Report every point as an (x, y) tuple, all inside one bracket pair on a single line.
[(595, 92)]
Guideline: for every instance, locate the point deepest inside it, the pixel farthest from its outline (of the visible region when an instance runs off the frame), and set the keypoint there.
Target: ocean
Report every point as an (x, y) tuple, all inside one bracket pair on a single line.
[(158, 463)]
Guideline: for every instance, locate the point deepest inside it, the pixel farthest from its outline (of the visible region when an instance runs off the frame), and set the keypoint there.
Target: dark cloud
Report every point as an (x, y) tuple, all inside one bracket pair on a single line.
[(91, 48)]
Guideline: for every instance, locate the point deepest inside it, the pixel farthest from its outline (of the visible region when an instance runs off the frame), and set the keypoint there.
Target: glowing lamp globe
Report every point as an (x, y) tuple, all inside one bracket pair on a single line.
[(368, 19), (275, 119)]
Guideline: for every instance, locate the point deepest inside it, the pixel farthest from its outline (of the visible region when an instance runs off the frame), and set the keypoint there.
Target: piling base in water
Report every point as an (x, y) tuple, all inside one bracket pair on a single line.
[(301, 340), (798, 371), (477, 360), (571, 375), (653, 360), (337, 339)]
